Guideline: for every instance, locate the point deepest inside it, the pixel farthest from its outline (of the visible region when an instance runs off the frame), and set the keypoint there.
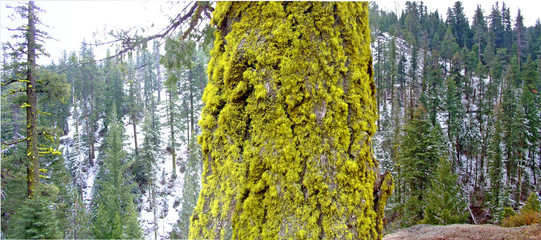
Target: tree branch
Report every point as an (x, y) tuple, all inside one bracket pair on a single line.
[(194, 15), (7, 144)]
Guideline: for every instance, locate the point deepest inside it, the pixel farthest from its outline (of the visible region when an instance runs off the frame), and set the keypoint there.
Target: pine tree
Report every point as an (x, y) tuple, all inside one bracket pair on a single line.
[(449, 48), (532, 204), (495, 166), (115, 212), (142, 167), (190, 191), (531, 103), (480, 31), (455, 110), (520, 37), (135, 101), (35, 218), (496, 27), (514, 129), (286, 127), (421, 147), (445, 203), (26, 72), (114, 82), (89, 86), (176, 58), (460, 25)]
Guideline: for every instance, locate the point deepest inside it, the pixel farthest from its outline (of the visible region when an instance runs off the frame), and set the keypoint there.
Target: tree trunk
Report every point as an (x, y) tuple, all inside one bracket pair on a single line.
[(91, 130), (159, 76), (135, 134), (172, 126), (192, 110), (31, 110), (289, 112)]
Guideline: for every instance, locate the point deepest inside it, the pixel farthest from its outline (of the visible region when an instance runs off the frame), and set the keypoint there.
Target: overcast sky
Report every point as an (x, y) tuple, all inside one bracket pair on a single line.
[(72, 21)]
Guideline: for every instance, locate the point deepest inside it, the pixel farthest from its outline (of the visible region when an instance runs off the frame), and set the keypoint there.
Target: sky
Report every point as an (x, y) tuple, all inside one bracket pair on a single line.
[(71, 22)]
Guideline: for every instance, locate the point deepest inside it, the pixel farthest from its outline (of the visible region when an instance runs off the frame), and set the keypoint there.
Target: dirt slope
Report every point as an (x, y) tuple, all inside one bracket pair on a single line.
[(466, 231)]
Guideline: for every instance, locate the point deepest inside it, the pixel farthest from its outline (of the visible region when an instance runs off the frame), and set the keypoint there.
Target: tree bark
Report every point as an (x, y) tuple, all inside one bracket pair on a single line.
[(31, 110), (289, 112), (135, 134), (172, 128)]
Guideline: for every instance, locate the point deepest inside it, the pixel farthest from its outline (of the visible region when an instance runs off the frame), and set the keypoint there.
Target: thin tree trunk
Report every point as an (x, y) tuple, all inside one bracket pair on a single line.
[(192, 110), (31, 110), (172, 126), (135, 134), (532, 166), (91, 153)]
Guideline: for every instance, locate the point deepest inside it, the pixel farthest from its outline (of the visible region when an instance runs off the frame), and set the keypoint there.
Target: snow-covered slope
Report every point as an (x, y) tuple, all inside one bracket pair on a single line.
[(157, 222), (157, 216)]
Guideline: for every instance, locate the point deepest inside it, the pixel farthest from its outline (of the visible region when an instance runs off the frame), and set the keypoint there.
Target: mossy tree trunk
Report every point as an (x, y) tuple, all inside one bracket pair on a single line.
[(290, 111)]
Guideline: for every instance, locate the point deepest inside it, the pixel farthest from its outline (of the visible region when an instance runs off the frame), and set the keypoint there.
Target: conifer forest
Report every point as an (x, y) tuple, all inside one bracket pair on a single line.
[(272, 120)]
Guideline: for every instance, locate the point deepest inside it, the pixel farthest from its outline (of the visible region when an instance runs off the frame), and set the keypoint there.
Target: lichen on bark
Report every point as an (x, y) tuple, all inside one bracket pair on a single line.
[(289, 113)]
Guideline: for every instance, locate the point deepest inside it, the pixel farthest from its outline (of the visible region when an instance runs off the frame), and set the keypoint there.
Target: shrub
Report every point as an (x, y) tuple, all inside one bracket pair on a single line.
[(532, 204), (507, 212), (522, 219)]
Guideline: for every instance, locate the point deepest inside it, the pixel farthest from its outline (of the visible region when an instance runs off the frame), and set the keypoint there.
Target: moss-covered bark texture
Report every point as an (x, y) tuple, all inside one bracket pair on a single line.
[(287, 125)]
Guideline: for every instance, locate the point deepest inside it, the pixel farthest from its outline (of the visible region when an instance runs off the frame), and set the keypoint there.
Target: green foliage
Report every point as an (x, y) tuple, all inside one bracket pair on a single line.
[(532, 204), (190, 192), (421, 148), (445, 203), (35, 219), (142, 167), (13, 185), (115, 213), (508, 212), (495, 170)]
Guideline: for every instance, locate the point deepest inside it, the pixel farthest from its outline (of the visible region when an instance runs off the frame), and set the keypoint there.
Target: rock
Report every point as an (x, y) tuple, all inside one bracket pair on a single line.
[(466, 231), (176, 203)]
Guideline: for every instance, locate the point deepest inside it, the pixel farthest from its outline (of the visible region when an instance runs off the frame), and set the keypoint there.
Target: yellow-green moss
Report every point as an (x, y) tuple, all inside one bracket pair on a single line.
[(287, 125)]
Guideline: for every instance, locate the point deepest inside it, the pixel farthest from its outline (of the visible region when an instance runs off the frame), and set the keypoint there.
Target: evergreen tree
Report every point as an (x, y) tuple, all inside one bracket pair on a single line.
[(134, 99), (142, 168), (496, 27), (449, 48), (455, 110), (190, 191), (531, 104), (114, 77), (460, 25), (115, 212), (514, 129), (286, 127), (496, 166), (445, 203), (520, 38), (89, 86), (421, 147), (176, 58), (532, 204), (435, 88), (25, 72), (480, 31), (507, 27), (35, 218)]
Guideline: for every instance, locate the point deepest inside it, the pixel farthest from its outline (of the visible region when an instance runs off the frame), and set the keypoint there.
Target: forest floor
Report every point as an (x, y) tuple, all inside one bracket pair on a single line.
[(466, 231)]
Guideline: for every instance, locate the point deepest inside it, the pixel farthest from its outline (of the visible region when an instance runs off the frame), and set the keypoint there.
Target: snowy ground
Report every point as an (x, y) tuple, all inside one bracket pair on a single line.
[(156, 222), (76, 157), (168, 190)]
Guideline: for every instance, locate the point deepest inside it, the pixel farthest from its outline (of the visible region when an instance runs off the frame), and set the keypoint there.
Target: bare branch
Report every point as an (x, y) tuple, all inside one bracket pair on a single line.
[(193, 15)]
